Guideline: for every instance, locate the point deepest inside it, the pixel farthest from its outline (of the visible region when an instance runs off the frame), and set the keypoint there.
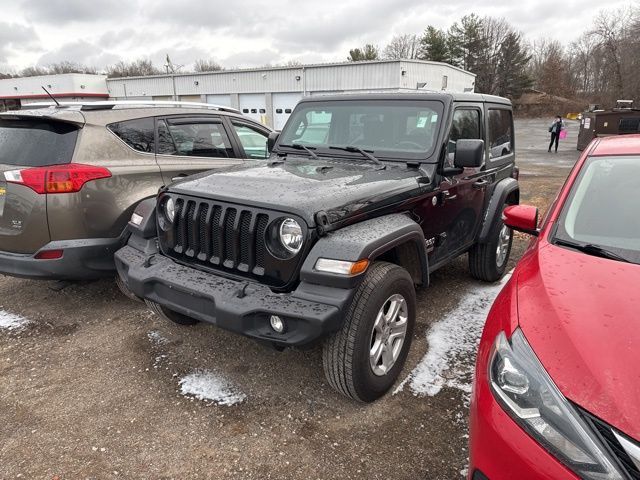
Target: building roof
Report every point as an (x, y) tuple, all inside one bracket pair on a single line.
[(59, 85), (295, 67)]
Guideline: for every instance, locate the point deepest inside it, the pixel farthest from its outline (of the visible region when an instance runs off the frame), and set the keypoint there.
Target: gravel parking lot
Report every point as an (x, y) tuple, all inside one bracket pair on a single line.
[(93, 385)]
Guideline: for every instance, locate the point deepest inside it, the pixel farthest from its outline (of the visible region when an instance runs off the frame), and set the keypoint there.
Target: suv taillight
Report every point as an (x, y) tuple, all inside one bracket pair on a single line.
[(57, 178)]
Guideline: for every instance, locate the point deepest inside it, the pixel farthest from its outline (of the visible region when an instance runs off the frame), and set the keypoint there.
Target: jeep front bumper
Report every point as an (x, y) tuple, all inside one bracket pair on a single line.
[(309, 312)]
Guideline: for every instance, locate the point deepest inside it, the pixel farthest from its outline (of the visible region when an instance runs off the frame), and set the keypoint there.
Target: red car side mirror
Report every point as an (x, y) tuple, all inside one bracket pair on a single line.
[(523, 218)]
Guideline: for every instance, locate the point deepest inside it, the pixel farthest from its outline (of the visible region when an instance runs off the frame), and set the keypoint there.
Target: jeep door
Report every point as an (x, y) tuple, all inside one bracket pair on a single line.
[(461, 199), (190, 144)]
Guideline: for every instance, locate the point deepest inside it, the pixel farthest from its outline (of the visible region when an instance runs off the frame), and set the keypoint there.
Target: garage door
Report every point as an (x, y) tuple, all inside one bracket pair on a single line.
[(254, 106), (283, 104), (219, 99), (191, 98)]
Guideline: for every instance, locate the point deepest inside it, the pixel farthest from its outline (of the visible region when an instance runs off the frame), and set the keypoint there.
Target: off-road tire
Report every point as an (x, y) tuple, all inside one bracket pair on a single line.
[(167, 314), (345, 354), (483, 257), (125, 290)]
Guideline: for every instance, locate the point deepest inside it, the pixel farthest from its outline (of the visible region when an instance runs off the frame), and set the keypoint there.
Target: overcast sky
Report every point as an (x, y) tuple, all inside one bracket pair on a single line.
[(247, 33)]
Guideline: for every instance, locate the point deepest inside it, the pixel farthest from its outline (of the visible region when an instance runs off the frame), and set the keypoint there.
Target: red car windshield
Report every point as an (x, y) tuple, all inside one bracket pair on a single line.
[(601, 211)]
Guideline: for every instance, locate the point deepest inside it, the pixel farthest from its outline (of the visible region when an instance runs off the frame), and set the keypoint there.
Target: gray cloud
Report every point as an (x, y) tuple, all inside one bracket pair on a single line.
[(65, 11), (14, 37), (250, 32), (82, 52)]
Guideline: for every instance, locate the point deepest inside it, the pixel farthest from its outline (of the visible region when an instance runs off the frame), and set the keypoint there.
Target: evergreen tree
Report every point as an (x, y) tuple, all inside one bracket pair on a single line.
[(513, 77), (433, 45)]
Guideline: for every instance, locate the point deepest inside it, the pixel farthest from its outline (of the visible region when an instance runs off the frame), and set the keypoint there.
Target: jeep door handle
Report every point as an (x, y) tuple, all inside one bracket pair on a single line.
[(446, 196), (482, 183)]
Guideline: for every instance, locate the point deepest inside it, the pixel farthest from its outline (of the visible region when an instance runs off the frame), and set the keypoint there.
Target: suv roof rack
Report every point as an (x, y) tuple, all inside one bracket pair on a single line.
[(111, 104)]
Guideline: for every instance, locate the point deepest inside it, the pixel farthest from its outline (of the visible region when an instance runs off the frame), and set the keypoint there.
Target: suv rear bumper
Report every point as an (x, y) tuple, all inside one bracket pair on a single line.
[(309, 313), (83, 259)]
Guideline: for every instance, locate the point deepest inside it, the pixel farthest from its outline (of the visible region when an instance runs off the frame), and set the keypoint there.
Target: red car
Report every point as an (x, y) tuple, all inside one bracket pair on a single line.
[(557, 387)]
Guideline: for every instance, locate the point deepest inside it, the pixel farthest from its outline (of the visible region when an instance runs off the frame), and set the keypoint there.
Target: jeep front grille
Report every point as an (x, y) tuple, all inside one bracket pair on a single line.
[(228, 237), (219, 235)]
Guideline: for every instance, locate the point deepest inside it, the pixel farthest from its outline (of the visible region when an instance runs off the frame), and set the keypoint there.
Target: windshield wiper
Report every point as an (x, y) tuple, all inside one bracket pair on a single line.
[(362, 152), (299, 146), (591, 249)]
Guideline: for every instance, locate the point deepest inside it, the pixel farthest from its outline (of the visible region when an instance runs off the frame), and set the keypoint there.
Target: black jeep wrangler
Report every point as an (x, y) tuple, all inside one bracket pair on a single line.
[(362, 198)]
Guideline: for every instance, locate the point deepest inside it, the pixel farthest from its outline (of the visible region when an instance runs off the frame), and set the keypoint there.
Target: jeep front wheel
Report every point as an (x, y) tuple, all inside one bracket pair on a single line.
[(488, 261), (168, 314), (364, 358)]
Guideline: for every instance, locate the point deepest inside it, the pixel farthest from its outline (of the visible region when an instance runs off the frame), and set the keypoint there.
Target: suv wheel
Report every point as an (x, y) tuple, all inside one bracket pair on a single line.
[(167, 314), (364, 358), (488, 261)]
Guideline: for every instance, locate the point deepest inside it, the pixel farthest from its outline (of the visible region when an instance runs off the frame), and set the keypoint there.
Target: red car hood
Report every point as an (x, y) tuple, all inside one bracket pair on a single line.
[(581, 316)]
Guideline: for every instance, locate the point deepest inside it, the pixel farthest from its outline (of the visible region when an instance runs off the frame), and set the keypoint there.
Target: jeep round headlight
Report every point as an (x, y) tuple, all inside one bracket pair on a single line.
[(291, 235), (170, 209)]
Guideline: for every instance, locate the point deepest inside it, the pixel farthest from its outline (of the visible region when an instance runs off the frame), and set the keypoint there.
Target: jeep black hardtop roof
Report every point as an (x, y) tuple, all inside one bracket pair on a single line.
[(418, 96)]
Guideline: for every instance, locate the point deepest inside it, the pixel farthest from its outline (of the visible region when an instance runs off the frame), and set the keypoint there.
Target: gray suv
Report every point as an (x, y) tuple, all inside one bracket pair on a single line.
[(72, 174)]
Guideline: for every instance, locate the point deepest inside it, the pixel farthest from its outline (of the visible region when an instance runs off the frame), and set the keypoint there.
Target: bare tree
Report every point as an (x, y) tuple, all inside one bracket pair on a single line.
[(495, 32), (402, 47), (207, 66), (138, 68), (368, 52), (611, 29), (34, 71)]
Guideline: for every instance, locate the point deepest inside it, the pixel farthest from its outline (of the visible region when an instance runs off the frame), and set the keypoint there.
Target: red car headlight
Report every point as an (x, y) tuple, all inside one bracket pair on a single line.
[(527, 393)]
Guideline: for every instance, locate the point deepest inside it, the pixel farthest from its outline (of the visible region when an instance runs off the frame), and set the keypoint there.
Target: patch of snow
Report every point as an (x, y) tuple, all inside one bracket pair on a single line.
[(209, 386), (453, 342), (12, 322), (156, 338)]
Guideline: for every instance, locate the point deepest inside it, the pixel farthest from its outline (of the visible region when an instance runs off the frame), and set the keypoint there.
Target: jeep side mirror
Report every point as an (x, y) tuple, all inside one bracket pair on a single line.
[(523, 218), (271, 141), (469, 153)]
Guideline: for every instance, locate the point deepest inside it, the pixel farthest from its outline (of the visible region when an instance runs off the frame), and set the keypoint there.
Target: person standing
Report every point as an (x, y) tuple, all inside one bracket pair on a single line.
[(556, 127)]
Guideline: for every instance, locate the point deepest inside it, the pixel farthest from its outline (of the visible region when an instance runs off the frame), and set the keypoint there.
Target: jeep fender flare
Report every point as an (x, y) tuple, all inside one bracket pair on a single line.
[(504, 189), (369, 239), (147, 227)]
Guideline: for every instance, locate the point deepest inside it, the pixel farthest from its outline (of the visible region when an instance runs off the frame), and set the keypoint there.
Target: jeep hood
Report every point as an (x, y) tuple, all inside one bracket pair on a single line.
[(305, 187)]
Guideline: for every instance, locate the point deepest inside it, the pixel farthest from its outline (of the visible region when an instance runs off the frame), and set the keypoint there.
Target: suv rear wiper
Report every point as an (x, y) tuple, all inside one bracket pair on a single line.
[(362, 152), (299, 146), (591, 249)]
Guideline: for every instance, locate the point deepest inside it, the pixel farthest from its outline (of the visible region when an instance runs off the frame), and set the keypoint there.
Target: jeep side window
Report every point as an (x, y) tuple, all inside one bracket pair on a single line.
[(500, 133), (139, 134), (205, 139), (466, 125)]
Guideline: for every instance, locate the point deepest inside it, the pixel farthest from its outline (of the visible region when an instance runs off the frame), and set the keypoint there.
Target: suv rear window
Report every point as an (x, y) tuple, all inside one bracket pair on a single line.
[(30, 143), (139, 134)]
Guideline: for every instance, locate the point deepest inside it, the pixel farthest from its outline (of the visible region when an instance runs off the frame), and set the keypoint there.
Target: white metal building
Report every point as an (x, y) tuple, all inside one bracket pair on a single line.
[(65, 87), (269, 94)]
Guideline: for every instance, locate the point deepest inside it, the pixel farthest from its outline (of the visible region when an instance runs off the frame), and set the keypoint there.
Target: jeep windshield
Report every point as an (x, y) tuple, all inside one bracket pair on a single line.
[(599, 217), (388, 129)]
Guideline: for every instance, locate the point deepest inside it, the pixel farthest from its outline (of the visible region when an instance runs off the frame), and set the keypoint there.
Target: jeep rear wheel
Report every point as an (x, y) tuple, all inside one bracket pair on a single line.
[(168, 314), (364, 358), (488, 261)]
